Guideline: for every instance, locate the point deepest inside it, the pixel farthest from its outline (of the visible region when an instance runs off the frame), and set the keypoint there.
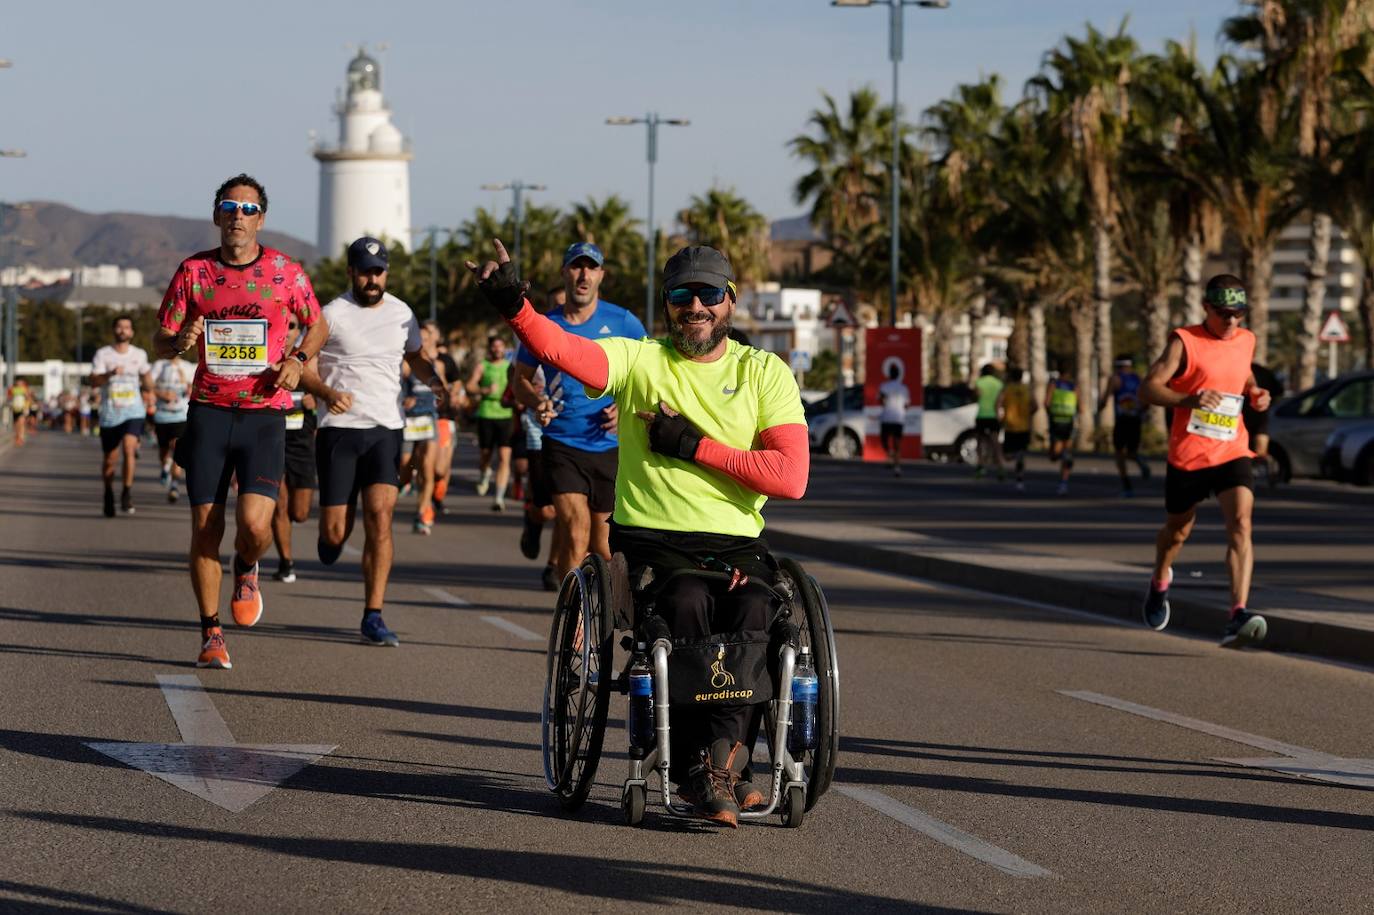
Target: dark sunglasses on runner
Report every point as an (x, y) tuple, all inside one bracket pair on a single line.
[(229, 207), (1229, 314), (683, 295)]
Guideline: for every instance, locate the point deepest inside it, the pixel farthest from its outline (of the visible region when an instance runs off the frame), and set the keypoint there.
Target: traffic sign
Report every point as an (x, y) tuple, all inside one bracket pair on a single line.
[(841, 317), (800, 360), (1334, 329)]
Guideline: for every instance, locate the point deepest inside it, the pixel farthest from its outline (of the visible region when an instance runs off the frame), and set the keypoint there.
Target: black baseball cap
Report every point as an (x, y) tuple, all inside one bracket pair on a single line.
[(367, 253), (698, 264)]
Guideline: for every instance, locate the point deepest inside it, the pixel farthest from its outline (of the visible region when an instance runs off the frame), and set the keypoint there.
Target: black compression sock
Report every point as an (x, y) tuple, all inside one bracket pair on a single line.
[(367, 610), (207, 623)]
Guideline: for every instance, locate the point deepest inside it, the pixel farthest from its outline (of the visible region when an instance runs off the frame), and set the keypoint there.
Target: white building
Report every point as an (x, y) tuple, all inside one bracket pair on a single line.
[(103, 275), (781, 319), (1343, 270), (365, 179)]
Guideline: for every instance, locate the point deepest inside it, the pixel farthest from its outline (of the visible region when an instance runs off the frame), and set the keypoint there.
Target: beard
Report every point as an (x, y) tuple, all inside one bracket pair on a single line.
[(688, 346), (367, 293)]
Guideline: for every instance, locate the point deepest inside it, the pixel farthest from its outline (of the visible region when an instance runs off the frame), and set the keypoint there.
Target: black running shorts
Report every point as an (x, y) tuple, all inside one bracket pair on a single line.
[(111, 437), (494, 433), (539, 480), (1126, 434), (1184, 489), (1015, 442), (572, 470), (890, 435), (349, 460), (1061, 432), (300, 455), (221, 443), (989, 424), (169, 432)]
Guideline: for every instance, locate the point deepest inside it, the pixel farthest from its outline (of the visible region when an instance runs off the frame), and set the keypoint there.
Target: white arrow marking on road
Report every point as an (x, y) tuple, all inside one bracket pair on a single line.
[(209, 763), (1295, 760), (514, 629), (940, 831)]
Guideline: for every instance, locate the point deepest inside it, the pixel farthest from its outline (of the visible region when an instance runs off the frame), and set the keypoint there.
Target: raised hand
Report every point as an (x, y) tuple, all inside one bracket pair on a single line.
[(499, 284)]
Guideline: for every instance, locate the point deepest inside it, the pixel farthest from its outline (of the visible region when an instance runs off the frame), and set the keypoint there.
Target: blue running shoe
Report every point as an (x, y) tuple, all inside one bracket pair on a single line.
[(1155, 610), (375, 631), (328, 554)]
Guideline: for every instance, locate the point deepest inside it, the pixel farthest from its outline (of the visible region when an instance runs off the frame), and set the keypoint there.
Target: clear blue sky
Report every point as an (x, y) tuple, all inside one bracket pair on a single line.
[(146, 106)]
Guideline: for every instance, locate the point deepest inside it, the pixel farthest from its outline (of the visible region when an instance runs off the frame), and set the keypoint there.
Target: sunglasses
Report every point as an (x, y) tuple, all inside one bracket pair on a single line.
[(682, 295), (229, 207), (1229, 314)]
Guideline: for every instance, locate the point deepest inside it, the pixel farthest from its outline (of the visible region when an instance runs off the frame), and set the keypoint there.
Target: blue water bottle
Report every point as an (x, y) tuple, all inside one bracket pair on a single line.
[(804, 691), (641, 706)]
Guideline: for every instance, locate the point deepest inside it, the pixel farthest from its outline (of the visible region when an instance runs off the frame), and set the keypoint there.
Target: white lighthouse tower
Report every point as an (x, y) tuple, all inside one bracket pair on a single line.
[(365, 180)]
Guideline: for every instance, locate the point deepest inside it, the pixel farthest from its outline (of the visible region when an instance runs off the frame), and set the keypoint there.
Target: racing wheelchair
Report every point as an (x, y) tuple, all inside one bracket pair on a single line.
[(595, 603)]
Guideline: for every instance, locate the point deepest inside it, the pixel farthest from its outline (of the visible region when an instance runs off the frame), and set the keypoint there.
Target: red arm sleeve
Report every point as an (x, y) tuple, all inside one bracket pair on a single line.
[(778, 470), (547, 342)]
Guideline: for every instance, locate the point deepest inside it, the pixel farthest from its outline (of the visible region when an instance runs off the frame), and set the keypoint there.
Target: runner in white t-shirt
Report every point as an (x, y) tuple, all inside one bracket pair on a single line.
[(896, 398), (358, 447), (171, 390), (120, 371)]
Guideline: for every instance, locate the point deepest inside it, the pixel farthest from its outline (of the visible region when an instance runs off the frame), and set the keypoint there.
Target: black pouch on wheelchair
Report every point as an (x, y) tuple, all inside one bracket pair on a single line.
[(720, 670)]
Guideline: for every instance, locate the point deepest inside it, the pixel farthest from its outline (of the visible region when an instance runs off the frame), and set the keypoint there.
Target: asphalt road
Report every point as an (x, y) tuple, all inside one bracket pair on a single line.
[(968, 780)]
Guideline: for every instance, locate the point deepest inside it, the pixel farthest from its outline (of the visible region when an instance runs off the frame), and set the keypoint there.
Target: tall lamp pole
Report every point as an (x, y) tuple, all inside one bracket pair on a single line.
[(433, 232), (651, 121), (10, 337), (517, 189), (894, 54)]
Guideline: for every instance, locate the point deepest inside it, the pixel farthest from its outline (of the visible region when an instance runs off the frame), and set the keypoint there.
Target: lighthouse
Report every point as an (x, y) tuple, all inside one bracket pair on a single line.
[(365, 179)]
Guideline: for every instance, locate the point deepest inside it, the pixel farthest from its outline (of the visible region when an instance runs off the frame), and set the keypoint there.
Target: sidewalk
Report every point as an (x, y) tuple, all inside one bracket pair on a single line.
[(1312, 580)]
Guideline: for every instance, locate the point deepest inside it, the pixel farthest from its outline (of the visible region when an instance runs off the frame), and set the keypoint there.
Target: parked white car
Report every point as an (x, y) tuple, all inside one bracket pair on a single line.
[(1349, 455), (1301, 425), (945, 424)]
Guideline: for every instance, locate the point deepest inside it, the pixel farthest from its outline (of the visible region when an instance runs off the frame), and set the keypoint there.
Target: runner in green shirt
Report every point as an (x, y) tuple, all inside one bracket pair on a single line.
[(495, 419), (986, 423)]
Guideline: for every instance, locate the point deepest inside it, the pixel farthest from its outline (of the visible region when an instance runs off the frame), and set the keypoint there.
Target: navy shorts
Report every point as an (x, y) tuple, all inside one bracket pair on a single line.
[(349, 460), (1184, 489), (222, 443), (111, 437)]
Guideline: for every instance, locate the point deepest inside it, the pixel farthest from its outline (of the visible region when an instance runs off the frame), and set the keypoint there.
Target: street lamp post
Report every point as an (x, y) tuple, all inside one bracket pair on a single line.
[(433, 232), (894, 54), (651, 121), (517, 189)]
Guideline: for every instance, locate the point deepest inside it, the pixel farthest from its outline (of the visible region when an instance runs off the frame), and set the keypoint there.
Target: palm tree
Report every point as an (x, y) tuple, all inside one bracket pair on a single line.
[(726, 221), (963, 129), (1350, 189), (1304, 45), (1085, 87)]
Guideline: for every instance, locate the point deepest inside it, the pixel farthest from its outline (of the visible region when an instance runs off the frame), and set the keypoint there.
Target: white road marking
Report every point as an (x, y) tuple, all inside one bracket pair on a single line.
[(944, 833), (448, 598), (1293, 759), (514, 629), (209, 763)]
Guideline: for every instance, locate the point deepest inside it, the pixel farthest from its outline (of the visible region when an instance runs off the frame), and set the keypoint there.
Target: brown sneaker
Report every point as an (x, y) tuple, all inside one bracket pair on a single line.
[(712, 781), (747, 796)]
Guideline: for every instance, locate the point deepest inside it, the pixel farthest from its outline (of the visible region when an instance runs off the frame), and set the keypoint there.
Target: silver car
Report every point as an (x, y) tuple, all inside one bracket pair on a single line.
[(1350, 454), (1300, 425)]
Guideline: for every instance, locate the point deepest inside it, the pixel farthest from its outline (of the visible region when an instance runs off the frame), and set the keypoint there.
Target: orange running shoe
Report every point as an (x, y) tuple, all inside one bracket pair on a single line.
[(213, 653), (247, 600), (427, 514)]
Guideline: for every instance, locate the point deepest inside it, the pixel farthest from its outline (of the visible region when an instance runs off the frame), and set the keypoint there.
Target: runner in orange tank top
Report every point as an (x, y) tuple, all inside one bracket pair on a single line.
[(1204, 376)]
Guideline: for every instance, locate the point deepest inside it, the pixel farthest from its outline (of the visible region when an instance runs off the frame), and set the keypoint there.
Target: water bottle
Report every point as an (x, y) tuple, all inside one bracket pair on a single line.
[(804, 690), (641, 706)]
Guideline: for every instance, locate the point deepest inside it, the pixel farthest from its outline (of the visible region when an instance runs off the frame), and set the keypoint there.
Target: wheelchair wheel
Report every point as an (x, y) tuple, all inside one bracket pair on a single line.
[(794, 808), (817, 633), (632, 802), (577, 689)]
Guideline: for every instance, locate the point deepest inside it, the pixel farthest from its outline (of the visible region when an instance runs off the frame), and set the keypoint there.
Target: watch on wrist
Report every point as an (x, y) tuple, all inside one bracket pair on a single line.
[(301, 356)]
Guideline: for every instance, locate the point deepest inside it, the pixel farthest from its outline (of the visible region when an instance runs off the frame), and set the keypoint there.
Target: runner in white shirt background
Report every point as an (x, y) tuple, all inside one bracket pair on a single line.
[(121, 372), (896, 398), (171, 380), (358, 446)]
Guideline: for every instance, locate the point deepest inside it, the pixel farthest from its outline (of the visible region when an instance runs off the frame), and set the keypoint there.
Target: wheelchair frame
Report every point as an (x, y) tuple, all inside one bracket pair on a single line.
[(577, 694)]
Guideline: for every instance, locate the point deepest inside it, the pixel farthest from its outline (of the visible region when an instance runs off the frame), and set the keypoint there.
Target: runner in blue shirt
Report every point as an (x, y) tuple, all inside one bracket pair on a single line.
[(579, 441), (1123, 388)]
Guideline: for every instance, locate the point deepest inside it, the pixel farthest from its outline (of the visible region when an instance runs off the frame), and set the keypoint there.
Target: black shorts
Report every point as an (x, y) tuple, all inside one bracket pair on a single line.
[(890, 435), (111, 437), (519, 446), (300, 455), (539, 481), (1015, 442), (221, 443), (1126, 434), (1184, 489), (988, 424), (572, 470), (169, 432), (351, 459), (493, 433), (1061, 432)]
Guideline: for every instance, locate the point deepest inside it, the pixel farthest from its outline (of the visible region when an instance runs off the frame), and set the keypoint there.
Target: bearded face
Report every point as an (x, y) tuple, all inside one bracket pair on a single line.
[(697, 329)]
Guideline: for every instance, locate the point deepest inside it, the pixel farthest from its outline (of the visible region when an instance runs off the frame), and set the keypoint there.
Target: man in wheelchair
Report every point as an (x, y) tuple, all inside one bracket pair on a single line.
[(721, 430)]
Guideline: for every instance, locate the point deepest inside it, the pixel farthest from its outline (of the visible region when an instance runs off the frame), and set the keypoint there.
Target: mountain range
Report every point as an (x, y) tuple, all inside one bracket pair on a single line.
[(57, 235)]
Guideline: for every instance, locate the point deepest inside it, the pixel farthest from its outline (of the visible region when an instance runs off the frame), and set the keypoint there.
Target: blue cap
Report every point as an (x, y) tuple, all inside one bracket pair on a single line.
[(583, 249), (367, 253)]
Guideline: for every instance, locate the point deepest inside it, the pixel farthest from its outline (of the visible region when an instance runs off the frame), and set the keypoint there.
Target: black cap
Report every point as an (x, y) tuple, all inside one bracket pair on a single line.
[(698, 264), (367, 253)]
